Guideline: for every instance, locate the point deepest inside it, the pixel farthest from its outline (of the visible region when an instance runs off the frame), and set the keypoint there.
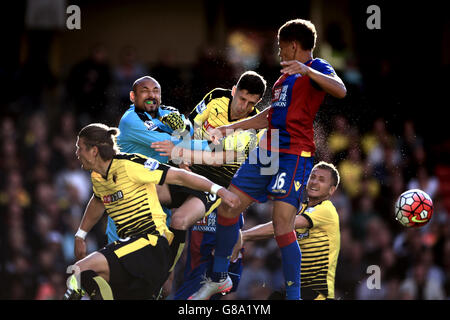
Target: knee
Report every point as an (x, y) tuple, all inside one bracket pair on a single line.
[(183, 220), (226, 211), (179, 223), (282, 226)]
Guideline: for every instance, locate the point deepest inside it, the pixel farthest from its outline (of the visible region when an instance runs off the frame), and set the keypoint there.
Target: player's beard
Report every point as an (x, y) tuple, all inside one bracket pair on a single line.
[(151, 106)]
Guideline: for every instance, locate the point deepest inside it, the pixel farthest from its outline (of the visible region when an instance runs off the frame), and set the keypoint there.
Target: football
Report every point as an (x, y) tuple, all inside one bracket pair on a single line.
[(413, 208)]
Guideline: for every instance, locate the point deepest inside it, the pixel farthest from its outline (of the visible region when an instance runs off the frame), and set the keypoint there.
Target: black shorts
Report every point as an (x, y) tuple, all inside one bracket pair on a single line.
[(180, 194), (138, 266)]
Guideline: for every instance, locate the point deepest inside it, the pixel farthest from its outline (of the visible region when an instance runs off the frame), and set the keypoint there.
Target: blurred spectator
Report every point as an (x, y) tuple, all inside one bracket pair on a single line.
[(88, 83), (410, 143), (351, 267), (424, 182), (372, 141), (173, 89), (126, 72), (254, 274), (361, 217), (210, 71), (340, 138), (420, 287)]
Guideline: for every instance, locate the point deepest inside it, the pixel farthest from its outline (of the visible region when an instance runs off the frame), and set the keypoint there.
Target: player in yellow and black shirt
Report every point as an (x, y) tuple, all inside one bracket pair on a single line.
[(318, 235), (218, 107), (221, 107), (136, 266), (319, 243)]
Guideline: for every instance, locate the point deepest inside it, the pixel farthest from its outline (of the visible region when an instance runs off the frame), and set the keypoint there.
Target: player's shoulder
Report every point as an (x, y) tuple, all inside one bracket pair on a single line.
[(168, 109), (322, 65), (132, 157), (130, 112), (325, 206), (218, 93), (95, 176), (131, 116), (137, 160)]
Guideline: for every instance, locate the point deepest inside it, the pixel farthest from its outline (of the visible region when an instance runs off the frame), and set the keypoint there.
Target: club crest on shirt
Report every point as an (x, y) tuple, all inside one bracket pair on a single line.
[(151, 164), (302, 234)]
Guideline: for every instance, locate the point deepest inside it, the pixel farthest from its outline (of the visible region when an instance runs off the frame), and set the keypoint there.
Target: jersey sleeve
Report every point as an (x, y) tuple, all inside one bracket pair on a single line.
[(148, 171), (319, 216), (323, 67), (201, 111), (94, 187)]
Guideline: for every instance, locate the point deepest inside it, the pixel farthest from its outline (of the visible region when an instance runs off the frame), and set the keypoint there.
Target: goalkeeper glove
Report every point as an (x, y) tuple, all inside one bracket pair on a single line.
[(174, 121)]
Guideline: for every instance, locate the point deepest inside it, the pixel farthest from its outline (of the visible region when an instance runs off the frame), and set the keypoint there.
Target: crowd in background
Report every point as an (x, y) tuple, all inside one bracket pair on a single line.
[(43, 190)]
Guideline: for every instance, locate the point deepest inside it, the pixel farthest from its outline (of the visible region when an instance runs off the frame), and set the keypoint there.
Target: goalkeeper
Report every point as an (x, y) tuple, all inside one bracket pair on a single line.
[(147, 121)]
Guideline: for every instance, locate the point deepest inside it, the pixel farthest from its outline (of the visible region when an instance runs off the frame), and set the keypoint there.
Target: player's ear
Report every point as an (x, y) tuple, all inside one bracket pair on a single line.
[(298, 45), (132, 96), (94, 151), (233, 91), (332, 190)]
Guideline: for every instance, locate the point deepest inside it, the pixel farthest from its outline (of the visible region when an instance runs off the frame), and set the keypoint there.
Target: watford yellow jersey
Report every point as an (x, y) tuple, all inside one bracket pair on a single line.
[(129, 194), (212, 112), (320, 245)]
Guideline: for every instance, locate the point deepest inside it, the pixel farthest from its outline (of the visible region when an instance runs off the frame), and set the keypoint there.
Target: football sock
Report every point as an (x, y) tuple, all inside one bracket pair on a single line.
[(227, 233), (95, 286), (176, 247), (291, 262)]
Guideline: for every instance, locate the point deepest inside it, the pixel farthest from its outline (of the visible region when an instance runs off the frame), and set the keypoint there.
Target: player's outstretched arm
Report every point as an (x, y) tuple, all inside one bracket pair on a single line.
[(198, 182), (331, 84), (168, 149), (264, 231), (92, 214), (256, 122)]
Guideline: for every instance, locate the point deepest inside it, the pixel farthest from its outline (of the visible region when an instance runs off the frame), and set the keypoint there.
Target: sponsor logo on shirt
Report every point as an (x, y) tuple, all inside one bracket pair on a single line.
[(113, 197), (280, 96), (207, 224), (207, 125)]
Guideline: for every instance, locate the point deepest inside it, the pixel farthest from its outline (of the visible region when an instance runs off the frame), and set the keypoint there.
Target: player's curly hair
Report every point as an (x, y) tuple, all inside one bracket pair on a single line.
[(102, 137), (299, 30)]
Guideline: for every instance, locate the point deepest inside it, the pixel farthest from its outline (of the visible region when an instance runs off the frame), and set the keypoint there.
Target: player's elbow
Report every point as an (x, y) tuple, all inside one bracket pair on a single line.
[(340, 92)]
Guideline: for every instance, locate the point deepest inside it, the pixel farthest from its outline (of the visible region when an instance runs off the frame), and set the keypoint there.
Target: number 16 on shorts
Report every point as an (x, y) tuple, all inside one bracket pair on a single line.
[(278, 185)]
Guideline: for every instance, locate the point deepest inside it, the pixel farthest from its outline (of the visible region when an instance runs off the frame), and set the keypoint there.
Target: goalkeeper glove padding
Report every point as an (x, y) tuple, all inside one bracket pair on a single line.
[(174, 121)]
